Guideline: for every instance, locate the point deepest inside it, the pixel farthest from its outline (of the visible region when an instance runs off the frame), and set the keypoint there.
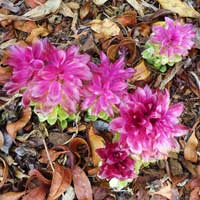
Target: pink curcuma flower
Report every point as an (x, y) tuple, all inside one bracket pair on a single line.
[(48, 76), (60, 81), (25, 63), (174, 38), (148, 124), (108, 86), (116, 162)]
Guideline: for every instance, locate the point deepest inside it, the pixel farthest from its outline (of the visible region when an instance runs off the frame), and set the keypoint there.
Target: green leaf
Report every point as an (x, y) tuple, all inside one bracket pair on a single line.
[(63, 124), (52, 117), (62, 115), (118, 184)]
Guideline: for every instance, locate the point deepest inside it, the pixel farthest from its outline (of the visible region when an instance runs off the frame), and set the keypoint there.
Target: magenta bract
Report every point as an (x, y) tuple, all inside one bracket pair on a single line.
[(174, 38), (116, 162), (108, 86), (148, 124), (48, 76)]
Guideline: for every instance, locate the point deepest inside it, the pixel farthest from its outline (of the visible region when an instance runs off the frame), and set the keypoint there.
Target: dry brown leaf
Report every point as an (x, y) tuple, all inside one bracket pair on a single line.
[(35, 33), (65, 10), (165, 191), (96, 142), (3, 172), (11, 195), (190, 150), (141, 72), (5, 74), (13, 127), (137, 6), (39, 176), (41, 11), (62, 178), (1, 139), (38, 193), (84, 11), (82, 184), (99, 2), (34, 3), (128, 18), (27, 26), (180, 8), (104, 28), (52, 153), (11, 17)]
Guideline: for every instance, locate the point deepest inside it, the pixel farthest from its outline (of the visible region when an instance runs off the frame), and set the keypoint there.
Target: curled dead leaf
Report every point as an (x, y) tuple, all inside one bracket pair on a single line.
[(99, 2), (82, 186), (190, 150), (137, 6), (179, 7), (104, 28), (62, 178), (13, 127), (39, 176), (128, 18), (141, 72), (1, 139), (65, 10), (96, 142), (123, 45), (11, 195), (3, 172)]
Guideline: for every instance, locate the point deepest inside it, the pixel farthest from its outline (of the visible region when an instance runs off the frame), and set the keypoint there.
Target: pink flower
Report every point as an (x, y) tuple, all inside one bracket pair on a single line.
[(174, 38), (148, 124), (108, 86), (26, 62), (60, 81), (48, 76), (116, 162)]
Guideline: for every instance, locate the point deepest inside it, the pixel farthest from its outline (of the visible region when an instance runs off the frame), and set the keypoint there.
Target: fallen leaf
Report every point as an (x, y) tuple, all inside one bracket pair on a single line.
[(26, 27), (141, 72), (84, 11), (35, 33), (82, 186), (190, 150), (1, 139), (128, 18), (35, 173), (138, 7), (62, 178), (3, 172), (34, 3), (38, 193), (99, 2), (194, 195), (11, 195), (65, 10), (8, 43), (96, 142), (12, 17), (165, 191), (123, 45), (5, 74), (41, 11), (52, 153), (13, 127), (179, 7), (104, 28)]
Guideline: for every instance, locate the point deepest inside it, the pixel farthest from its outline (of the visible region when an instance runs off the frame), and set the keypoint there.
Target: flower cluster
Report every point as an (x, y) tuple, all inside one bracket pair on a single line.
[(148, 124), (56, 82), (48, 77), (108, 87), (168, 43)]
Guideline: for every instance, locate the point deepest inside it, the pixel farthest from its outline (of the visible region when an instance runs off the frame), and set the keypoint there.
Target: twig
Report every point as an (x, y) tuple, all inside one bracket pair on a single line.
[(46, 148), (76, 125)]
